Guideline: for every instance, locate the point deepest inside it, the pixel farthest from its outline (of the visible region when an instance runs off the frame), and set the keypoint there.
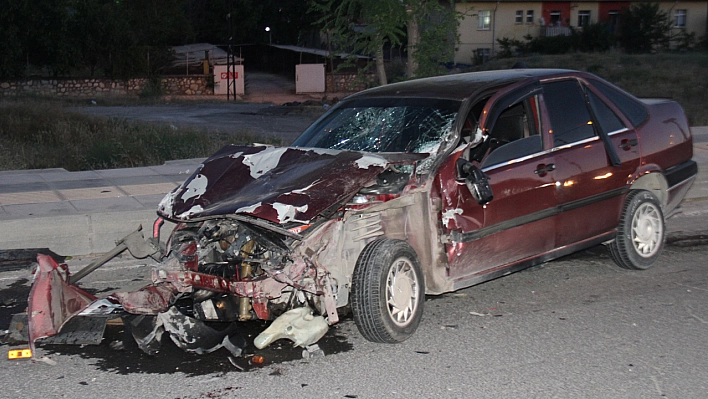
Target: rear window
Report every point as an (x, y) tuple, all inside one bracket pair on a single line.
[(631, 108)]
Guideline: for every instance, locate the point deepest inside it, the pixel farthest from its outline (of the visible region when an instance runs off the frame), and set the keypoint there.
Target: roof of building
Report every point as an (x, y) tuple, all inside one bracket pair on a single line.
[(193, 54), (316, 51)]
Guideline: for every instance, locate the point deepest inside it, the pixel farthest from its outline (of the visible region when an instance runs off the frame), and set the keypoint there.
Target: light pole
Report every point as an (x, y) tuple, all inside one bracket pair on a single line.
[(270, 38)]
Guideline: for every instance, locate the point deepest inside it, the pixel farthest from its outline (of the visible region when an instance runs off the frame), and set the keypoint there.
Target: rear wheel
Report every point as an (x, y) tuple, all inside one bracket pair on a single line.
[(640, 234), (388, 291)]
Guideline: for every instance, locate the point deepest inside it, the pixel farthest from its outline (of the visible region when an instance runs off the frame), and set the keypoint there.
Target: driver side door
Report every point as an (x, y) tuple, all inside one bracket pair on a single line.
[(518, 223)]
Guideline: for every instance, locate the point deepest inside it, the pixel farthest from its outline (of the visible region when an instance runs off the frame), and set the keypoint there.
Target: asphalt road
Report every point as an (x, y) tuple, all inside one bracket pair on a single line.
[(285, 122), (578, 327)]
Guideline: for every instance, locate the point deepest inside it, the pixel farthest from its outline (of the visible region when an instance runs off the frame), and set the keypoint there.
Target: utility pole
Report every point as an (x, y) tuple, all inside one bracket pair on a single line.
[(230, 57)]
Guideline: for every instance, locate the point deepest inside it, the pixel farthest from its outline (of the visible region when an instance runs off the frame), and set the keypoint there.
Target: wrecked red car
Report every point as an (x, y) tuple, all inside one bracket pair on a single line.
[(401, 191)]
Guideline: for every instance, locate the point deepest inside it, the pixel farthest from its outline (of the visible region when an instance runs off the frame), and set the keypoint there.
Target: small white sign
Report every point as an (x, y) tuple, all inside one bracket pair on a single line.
[(223, 78)]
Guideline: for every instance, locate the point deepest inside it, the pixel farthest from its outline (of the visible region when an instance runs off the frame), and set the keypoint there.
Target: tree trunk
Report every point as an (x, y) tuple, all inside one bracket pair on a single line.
[(413, 40), (380, 70)]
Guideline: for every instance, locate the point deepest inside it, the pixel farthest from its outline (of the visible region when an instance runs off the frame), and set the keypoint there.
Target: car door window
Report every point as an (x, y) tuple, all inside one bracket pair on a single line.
[(570, 118), (607, 121), (632, 109), (515, 133)]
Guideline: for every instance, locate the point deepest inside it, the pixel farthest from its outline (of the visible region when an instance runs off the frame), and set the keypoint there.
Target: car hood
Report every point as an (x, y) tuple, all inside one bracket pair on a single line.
[(279, 184)]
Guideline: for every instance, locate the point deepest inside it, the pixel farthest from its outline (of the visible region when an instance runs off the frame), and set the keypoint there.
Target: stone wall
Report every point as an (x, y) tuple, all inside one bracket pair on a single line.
[(347, 82), (170, 85)]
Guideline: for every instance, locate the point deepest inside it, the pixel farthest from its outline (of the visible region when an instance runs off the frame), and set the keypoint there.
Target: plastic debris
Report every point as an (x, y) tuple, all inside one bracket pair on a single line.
[(312, 351)]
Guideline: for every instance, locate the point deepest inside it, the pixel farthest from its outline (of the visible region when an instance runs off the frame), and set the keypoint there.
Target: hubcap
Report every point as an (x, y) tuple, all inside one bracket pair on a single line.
[(401, 292), (647, 230)]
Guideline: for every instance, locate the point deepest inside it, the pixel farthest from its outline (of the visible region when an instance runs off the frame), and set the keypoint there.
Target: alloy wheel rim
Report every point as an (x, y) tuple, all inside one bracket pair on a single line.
[(402, 292), (647, 230)]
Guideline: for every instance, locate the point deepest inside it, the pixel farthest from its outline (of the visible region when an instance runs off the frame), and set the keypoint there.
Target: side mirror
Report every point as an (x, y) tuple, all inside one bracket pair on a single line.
[(477, 182)]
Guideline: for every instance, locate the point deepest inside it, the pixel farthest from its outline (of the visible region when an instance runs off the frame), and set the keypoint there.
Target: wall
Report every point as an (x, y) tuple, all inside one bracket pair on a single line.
[(347, 82), (696, 15), (170, 85), (503, 24)]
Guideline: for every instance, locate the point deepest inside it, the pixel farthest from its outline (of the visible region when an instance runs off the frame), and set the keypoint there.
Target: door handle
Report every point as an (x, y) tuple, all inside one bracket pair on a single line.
[(543, 169), (627, 144)]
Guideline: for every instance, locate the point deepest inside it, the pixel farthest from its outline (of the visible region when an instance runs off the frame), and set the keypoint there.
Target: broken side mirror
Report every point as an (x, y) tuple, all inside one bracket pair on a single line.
[(477, 182)]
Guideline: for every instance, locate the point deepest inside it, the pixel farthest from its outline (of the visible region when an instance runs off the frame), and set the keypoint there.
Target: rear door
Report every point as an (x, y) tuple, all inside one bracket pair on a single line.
[(595, 154)]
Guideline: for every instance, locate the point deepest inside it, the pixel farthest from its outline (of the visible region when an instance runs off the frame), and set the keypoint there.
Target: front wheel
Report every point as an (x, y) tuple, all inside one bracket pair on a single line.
[(640, 234), (388, 291)]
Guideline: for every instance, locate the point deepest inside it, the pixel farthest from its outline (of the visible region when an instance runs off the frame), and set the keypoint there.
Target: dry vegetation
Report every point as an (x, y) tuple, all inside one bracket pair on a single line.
[(36, 134)]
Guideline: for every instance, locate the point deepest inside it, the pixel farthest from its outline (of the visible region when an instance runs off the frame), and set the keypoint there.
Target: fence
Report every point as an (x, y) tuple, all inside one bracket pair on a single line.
[(95, 87)]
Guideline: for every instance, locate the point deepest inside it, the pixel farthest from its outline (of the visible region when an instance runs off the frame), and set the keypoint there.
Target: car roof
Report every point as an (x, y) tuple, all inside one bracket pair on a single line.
[(457, 86)]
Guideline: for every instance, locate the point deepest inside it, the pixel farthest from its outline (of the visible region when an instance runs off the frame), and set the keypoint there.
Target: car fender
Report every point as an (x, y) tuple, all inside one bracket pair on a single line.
[(649, 177)]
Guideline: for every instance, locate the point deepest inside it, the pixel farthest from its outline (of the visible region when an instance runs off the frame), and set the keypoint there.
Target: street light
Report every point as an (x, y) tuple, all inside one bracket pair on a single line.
[(270, 38)]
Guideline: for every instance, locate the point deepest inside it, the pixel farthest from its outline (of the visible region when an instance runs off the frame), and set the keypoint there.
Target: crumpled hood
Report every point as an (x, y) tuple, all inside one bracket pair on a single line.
[(279, 184)]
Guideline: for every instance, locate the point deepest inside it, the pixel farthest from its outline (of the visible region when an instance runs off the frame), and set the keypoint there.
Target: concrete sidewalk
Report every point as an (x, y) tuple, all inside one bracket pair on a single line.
[(80, 213)]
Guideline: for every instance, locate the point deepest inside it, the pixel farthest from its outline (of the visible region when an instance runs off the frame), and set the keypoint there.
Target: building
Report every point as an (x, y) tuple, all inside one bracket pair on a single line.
[(486, 21)]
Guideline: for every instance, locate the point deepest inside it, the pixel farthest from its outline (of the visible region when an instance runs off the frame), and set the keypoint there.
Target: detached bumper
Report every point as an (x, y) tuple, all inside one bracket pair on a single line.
[(52, 300)]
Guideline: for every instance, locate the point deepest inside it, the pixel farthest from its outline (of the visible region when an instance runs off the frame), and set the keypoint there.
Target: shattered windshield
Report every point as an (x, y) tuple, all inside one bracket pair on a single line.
[(384, 125)]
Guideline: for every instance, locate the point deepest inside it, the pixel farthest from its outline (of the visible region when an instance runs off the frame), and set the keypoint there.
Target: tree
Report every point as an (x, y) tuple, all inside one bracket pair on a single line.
[(438, 26), (365, 26), (100, 31), (12, 63), (47, 44), (643, 28)]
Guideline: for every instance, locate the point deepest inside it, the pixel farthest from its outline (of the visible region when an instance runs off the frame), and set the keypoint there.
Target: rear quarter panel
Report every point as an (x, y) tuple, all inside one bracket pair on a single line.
[(665, 138)]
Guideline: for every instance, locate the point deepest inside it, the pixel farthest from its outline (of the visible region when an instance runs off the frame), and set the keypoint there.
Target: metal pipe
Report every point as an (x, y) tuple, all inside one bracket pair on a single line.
[(244, 304)]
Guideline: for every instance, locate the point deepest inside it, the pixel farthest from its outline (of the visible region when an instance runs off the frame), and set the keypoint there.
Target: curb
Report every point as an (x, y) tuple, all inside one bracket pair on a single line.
[(72, 235), (687, 239)]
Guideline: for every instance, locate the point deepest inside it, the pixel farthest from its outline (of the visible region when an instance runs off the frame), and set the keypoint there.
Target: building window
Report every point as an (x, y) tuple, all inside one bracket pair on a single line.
[(614, 17), (482, 55), (583, 18), (529, 17), (680, 19), (485, 20), (519, 17), (555, 18)]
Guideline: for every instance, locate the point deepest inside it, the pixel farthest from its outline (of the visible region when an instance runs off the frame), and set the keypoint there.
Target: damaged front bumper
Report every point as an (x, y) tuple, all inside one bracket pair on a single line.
[(189, 273)]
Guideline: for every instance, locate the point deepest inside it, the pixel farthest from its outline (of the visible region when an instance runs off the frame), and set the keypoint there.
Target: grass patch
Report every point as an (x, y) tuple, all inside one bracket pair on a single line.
[(39, 134), (680, 76)]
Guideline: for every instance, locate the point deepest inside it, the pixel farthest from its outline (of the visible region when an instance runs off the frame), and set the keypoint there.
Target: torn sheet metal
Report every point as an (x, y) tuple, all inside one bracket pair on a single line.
[(151, 299), (188, 333), (80, 330), (52, 301)]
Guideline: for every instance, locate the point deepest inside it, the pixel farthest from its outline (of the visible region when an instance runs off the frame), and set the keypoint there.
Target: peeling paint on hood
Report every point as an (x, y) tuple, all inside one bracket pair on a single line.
[(195, 188), (277, 184), (264, 161), (369, 160)]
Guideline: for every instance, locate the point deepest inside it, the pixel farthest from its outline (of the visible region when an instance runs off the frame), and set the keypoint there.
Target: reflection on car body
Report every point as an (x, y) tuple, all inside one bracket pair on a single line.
[(421, 187)]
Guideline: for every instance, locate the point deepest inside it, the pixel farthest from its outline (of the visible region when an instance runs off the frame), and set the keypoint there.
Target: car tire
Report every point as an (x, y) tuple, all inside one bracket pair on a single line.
[(641, 232), (388, 291)]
